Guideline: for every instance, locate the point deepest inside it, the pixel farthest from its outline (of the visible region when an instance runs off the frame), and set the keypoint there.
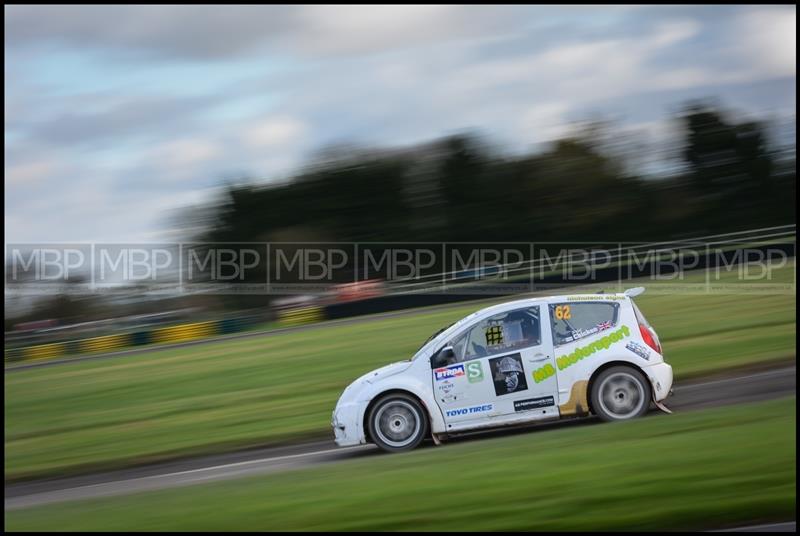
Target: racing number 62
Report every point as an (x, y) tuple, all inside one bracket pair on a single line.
[(563, 312)]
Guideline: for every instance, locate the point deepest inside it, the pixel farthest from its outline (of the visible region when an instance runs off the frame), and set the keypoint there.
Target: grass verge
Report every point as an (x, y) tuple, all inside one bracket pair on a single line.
[(103, 414), (706, 469)]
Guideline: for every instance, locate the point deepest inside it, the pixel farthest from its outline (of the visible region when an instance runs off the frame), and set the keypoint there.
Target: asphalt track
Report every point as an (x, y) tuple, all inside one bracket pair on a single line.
[(732, 388), (790, 526)]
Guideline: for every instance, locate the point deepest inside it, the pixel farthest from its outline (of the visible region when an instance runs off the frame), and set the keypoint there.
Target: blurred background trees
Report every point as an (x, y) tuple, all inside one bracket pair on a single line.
[(461, 189), (722, 175)]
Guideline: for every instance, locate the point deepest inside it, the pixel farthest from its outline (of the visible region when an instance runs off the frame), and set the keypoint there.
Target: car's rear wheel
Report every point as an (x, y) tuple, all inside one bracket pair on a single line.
[(620, 393), (397, 423)]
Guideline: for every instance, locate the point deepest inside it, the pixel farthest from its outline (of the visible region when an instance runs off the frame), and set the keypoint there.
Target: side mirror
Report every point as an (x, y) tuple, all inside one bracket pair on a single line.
[(443, 357)]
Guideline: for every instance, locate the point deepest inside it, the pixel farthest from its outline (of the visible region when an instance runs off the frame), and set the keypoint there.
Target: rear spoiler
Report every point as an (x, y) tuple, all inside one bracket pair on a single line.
[(633, 292)]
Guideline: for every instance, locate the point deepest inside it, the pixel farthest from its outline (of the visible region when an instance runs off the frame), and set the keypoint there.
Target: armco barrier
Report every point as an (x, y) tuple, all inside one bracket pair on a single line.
[(108, 343)]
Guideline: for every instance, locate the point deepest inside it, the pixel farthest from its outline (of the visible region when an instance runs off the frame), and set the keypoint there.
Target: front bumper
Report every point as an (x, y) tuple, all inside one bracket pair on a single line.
[(347, 427), (660, 376)]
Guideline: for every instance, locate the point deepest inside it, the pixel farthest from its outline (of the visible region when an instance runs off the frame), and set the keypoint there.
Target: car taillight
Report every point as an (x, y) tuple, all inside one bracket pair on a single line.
[(649, 339)]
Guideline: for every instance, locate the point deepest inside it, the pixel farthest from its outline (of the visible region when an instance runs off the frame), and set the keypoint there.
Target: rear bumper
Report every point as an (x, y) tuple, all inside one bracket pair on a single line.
[(660, 376)]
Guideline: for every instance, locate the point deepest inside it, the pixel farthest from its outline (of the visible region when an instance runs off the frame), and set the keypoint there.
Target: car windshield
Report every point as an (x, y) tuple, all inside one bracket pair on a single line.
[(434, 335)]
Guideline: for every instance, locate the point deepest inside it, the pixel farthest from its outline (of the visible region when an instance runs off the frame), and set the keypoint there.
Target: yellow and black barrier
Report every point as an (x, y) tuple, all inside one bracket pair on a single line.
[(301, 315), (184, 332), (44, 351), (118, 341), (104, 344)]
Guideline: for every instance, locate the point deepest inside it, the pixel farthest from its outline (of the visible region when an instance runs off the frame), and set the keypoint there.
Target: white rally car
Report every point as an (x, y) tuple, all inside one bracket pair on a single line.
[(514, 363)]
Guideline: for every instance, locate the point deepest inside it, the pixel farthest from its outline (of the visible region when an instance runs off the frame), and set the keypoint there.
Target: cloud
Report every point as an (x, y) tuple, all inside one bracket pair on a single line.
[(89, 120), (673, 32), (182, 158), (29, 172), (197, 32), (273, 132), (543, 122), (768, 37), (169, 100), (217, 32)]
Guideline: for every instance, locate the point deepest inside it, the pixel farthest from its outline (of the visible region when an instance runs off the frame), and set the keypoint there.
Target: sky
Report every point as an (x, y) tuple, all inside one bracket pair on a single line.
[(118, 117)]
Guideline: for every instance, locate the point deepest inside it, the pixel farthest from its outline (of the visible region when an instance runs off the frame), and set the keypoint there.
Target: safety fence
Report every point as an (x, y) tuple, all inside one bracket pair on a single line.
[(118, 341)]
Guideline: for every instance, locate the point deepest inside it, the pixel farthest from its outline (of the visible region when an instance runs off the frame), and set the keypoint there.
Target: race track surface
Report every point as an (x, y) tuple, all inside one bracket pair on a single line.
[(689, 395), (790, 526)]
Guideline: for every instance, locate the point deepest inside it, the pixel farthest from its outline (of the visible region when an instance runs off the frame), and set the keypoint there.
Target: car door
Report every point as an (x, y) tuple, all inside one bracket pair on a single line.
[(503, 370), (576, 326)]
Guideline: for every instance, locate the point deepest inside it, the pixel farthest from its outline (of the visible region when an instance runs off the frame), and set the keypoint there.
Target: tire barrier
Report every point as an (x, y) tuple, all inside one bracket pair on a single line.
[(301, 315), (44, 351), (118, 341), (184, 332), (104, 343)]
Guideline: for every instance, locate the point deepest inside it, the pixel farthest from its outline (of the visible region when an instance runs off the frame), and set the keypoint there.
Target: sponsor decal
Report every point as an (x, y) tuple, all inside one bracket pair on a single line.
[(542, 373), (508, 374), (494, 335), (449, 399), (563, 312), (593, 297), (583, 352), (470, 410), (446, 373), (474, 372), (534, 403), (581, 333), (446, 386), (639, 349)]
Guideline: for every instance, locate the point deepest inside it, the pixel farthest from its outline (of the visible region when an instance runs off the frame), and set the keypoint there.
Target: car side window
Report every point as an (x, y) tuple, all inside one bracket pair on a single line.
[(511, 330), (572, 321)]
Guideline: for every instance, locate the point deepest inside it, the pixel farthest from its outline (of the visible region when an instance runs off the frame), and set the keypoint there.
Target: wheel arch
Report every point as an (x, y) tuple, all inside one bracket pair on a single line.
[(606, 366), (383, 394)]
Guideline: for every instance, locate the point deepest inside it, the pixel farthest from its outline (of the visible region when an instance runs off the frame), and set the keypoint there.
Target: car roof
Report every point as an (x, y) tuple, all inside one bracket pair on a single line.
[(499, 307)]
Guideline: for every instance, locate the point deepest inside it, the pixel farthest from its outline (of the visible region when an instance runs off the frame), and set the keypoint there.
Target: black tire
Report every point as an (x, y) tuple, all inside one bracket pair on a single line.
[(620, 393), (397, 423)]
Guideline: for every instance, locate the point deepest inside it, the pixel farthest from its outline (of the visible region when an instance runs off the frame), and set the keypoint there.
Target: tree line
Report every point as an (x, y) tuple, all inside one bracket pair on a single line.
[(727, 176)]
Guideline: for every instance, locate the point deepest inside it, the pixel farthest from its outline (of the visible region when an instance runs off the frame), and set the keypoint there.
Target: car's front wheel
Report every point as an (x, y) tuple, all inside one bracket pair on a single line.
[(620, 393), (397, 423)]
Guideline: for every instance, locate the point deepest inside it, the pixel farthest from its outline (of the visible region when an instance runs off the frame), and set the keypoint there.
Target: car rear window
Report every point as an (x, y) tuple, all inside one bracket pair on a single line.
[(572, 321)]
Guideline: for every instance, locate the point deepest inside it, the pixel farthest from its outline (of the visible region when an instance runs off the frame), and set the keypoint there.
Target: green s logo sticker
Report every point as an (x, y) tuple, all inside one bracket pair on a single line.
[(474, 372)]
